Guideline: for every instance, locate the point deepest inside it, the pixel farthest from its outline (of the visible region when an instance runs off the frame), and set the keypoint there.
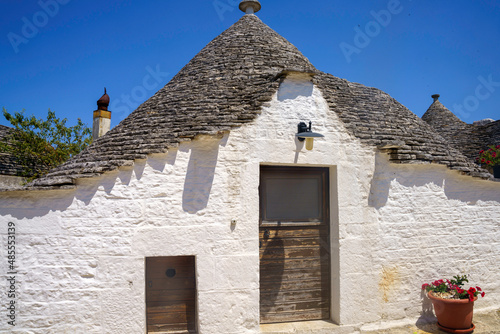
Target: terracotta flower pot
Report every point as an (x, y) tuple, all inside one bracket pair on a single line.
[(454, 315)]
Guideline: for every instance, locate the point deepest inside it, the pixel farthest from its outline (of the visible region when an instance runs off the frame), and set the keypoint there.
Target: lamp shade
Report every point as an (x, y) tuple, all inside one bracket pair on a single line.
[(306, 134)]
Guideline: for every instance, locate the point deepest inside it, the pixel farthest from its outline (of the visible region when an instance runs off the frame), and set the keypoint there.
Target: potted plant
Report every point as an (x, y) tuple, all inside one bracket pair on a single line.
[(491, 158), (453, 305)]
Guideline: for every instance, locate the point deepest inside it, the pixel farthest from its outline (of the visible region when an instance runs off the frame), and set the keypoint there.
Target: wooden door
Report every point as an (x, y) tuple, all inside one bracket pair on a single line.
[(294, 244), (171, 294)]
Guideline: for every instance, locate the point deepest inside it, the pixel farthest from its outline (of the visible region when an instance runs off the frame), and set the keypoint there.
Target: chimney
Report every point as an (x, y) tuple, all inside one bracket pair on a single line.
[(102, 117), (435, 97)]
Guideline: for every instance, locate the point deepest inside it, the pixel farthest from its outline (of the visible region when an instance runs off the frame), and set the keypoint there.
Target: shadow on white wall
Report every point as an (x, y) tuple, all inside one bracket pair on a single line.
[(456, 187), (200, 175)]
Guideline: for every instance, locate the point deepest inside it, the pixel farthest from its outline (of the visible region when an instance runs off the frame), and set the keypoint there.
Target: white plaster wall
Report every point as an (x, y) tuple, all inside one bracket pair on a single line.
[(431, 223), (80, 253)]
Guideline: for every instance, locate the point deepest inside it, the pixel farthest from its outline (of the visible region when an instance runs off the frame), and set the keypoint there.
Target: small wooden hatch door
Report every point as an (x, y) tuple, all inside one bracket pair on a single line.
[(171, 294), (294, 244)]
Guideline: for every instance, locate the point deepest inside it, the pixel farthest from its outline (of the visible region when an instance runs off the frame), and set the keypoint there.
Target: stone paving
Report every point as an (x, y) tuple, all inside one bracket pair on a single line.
[(486, 323)]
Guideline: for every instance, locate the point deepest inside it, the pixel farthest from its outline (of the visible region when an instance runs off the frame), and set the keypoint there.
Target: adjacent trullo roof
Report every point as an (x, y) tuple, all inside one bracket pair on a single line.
[(225, 85), (8, 164), (440, 117), (468, 138)]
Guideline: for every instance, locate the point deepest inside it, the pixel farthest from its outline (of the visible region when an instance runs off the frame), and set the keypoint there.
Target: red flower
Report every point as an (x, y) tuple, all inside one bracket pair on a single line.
[(481, 152), (488, 162), (498, 146), (454, 288), (438, 282)]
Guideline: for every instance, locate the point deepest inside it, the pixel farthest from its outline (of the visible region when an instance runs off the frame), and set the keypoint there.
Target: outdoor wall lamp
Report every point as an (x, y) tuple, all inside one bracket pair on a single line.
[(305, 133)]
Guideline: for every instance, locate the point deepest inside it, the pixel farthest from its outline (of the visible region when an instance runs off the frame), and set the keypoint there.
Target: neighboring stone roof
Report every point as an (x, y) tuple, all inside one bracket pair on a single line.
[(491, 132), (483, 121), (467, 138), (225, 85), (440, 117), (8, 165)]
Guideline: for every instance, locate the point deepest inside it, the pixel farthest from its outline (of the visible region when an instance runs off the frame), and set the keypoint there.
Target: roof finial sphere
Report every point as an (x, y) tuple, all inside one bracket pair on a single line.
[(435, 97), (250, 6)]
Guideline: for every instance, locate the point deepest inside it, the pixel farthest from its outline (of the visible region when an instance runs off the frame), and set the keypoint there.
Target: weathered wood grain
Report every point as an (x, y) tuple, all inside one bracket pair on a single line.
[(295, 261), (171, 301)]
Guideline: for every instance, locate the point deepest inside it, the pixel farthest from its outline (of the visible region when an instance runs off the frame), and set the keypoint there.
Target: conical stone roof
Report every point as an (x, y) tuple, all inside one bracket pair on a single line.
[(220, 88), (438, 116), (468, 138), (225, 86)]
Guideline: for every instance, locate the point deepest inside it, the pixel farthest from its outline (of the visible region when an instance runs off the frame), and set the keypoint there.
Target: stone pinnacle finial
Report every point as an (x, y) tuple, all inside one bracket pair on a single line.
[(250, 6), (435, 97)]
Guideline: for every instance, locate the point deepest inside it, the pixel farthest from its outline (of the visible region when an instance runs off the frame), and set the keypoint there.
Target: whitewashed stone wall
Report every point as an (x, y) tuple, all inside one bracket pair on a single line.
[(80, 253), (431, 223)]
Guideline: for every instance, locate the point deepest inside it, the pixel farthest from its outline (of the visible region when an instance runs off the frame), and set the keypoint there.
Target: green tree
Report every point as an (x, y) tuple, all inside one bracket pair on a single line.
[(40, 145)]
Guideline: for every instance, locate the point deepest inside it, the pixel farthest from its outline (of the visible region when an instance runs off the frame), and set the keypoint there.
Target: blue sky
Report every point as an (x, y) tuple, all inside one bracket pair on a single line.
[(60, 54)]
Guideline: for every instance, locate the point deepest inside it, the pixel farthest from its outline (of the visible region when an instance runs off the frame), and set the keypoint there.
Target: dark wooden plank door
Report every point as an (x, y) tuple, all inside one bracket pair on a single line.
[(171, 294), (294, 244)]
